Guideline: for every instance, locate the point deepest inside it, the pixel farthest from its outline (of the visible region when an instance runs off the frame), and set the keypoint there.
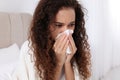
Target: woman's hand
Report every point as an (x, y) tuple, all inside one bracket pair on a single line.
[(72, 48), (69, 72), (60, 47)]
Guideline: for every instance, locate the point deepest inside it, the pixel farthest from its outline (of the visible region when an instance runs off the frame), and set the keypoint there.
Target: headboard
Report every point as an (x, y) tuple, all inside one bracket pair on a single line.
[(14, 28)]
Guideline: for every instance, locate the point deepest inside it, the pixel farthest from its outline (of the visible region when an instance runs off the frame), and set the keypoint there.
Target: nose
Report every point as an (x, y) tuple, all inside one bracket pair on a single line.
[(64, 28)]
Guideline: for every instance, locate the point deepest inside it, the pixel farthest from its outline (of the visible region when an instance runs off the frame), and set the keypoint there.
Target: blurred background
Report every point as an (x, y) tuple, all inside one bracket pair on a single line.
[(103, 28)]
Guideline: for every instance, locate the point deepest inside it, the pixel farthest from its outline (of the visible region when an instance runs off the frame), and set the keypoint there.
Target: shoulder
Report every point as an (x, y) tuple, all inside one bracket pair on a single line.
[(26, 52), (25, 64), (25, 46)]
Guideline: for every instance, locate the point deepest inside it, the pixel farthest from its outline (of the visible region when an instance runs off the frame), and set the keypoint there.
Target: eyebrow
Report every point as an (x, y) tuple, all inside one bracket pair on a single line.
[(63, 23)]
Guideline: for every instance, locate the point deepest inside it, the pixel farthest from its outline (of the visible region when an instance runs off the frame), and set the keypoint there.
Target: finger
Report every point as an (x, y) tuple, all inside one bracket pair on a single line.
[(72, 43), (71, 49), (65, 47), (56, 44), (58, 47), (62, 44)]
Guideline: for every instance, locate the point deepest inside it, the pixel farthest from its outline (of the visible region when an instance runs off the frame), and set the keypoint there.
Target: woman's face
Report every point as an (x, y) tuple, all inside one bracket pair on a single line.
[(65, 19)]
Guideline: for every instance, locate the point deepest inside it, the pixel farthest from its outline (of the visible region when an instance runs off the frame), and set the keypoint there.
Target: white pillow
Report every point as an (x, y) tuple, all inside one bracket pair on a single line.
[(8, 59)]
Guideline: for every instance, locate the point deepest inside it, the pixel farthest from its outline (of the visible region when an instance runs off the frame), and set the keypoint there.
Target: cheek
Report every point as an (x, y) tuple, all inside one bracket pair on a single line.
[(73, 28), (54, 34), (52, 30)]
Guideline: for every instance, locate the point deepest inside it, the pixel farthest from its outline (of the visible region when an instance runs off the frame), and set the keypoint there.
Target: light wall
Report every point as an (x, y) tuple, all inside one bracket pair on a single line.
[(102, 25), (103, 28), (17, 6)]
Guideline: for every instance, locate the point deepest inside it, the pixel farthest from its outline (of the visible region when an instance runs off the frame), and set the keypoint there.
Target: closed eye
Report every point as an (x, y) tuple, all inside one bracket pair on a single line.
[(72, 25), (58, 25)]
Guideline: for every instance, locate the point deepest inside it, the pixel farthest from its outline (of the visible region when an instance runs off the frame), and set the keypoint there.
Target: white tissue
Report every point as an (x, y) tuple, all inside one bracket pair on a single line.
[(68, 32)]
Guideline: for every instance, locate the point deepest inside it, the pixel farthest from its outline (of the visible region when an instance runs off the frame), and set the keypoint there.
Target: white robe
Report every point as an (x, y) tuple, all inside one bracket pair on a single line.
[(25, 69)]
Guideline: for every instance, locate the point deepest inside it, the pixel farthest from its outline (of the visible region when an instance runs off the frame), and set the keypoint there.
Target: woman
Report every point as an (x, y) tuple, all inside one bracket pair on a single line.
[(46, 57)]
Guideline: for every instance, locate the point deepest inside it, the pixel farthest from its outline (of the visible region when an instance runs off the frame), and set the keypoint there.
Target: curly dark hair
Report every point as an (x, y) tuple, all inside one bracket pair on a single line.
[(42, 43)]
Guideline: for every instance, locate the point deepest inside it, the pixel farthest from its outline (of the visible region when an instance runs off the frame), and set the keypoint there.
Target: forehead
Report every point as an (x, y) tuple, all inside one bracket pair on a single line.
[(65, 15)]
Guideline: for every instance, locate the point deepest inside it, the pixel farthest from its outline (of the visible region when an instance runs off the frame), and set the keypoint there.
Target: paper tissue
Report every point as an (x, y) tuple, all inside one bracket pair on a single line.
[(68, 51)]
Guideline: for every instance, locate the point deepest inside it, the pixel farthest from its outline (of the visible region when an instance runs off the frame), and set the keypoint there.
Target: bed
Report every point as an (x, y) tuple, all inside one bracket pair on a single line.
[(14, 29)]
